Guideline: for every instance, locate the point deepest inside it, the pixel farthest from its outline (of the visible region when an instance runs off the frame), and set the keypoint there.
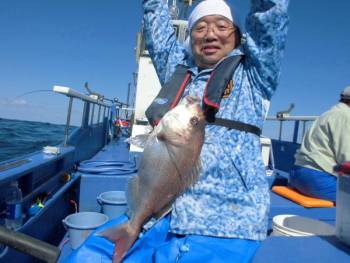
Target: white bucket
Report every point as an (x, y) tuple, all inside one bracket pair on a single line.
[(80, 225), (113, 203), (292, 225), (343, 209)]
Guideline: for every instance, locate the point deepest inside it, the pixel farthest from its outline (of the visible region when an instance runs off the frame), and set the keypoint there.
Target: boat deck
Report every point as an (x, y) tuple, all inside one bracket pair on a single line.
[(108, 170), (114, 165), (302, 250)]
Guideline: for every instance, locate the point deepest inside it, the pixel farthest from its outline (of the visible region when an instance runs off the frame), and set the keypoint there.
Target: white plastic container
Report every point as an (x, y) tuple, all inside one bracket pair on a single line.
[(343, 209), (80, 225), (265, 149), (113, 203), (292, 225)]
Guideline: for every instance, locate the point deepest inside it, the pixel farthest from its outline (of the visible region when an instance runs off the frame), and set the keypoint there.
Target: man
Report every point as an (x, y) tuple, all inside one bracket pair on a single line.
[(326, 144), (223, 217), (231, 198)]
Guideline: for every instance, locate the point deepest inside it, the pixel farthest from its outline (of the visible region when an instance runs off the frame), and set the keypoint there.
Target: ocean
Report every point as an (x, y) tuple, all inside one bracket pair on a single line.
[(18, 138)]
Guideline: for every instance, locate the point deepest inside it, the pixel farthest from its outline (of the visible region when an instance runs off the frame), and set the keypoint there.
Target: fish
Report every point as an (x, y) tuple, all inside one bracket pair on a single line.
[(170, 164)]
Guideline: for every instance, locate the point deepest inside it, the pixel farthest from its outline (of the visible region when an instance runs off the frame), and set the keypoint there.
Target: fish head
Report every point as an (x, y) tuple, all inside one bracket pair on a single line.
[(184, 122), (194, 118)]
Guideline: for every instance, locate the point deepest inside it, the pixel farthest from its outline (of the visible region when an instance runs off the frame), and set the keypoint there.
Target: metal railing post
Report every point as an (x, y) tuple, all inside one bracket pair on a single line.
[(296, 131), (85, 117), (304, 127), (92, 114), (280, 131), (66, 131), (99, 113)]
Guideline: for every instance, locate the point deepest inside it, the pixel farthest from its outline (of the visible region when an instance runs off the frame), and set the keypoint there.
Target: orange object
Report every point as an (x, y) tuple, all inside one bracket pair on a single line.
[(301, 199)]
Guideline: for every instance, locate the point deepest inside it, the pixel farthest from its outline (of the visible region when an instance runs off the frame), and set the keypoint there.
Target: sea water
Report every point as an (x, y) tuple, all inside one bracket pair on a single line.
[(18, 137)]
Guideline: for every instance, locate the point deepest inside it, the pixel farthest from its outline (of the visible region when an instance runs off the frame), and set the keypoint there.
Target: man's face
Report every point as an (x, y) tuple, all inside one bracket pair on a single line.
[(212, 38)]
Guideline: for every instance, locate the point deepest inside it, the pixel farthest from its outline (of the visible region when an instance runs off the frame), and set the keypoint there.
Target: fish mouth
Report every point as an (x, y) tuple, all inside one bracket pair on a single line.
[(201, 115)]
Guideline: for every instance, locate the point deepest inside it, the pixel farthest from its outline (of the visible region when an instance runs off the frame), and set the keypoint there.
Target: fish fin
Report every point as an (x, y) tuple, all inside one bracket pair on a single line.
[(195, 172), (163, 135), (138, 140), (173, 139), (123, 236)]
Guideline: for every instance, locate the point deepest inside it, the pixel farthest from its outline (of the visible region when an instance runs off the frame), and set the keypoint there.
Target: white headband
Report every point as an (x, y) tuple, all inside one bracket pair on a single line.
[(346, 93), (209, 7)]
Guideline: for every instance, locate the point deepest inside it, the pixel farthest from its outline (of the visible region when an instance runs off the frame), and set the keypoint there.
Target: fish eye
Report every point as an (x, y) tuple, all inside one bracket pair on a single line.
[(194, 121)]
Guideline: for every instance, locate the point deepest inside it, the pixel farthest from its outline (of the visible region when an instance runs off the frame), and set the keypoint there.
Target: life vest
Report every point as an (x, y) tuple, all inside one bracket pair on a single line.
[(172, 91)]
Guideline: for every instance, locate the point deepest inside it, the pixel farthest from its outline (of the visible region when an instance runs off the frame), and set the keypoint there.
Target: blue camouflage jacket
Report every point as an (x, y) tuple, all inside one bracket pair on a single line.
[(231, 197)]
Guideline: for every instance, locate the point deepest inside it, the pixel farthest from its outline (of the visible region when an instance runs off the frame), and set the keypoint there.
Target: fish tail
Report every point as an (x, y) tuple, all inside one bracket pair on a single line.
[(123, 236)]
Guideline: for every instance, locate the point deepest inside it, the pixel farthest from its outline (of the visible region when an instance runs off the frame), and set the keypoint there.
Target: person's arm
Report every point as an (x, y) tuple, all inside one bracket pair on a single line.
[(266, 27), (161, 42)]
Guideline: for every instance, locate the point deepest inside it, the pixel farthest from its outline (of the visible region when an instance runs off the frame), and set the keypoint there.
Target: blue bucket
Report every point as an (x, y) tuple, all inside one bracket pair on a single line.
[(113, 203), (80, 225)]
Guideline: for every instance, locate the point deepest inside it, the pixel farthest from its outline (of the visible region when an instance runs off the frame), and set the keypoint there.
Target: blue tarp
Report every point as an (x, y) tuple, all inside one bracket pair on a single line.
[(158, 245)]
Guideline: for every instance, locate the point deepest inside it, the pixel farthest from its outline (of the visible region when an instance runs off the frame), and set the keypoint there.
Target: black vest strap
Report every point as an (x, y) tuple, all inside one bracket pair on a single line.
[(169, 95), (216, 85), (172, 91), (237, 125)]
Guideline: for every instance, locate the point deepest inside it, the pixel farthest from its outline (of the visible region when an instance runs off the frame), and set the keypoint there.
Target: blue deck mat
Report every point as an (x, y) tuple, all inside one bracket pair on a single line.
[(302, 250), (113, 159), (114, 151), (109, 170)]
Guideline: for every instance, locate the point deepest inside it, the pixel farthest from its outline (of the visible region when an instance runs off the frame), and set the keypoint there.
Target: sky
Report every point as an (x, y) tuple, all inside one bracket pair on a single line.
[(68, 42)]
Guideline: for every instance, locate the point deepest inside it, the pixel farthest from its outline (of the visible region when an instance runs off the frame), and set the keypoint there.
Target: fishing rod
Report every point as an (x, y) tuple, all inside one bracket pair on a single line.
[(32, 92)]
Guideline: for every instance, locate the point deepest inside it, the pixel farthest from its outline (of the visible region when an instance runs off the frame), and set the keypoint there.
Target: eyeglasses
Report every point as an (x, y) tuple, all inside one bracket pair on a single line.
[(202, 29)]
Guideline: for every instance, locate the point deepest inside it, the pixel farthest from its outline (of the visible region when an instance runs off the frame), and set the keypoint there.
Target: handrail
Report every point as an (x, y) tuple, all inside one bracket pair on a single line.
[(127, 109), (75, 94), (93, 98), (292, 118), (297, 119)]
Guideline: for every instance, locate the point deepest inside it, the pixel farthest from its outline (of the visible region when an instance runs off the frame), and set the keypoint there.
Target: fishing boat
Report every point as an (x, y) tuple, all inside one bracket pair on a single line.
[(69, 179)]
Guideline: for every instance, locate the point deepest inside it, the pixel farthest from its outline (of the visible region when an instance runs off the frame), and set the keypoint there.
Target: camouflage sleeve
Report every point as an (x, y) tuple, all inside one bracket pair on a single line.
[(163, 47), (266, 27)]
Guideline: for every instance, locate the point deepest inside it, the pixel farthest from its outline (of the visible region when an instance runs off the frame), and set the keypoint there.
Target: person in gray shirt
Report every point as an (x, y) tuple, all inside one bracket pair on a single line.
[(326, 144)]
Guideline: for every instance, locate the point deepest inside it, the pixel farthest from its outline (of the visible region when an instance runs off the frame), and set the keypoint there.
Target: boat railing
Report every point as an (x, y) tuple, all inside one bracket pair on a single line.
[(281, 151), (97, 101), (281, 118), (49, 176)]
